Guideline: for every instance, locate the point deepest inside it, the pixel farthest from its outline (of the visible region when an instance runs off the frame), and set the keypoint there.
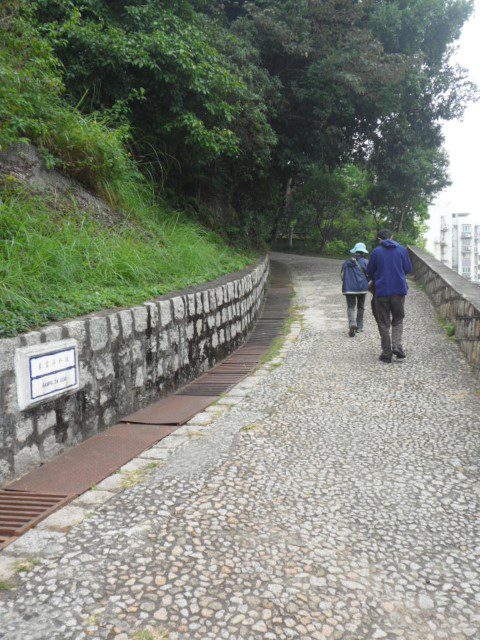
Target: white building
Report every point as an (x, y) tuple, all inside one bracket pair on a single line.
[(458, 245)]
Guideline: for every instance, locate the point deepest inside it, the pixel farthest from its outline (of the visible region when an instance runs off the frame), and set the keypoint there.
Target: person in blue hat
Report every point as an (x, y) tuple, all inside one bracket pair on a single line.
[(355, 287)]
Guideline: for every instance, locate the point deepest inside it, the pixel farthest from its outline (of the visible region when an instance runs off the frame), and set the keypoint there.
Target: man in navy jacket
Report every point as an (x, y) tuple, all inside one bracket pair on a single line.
[(389, 263)]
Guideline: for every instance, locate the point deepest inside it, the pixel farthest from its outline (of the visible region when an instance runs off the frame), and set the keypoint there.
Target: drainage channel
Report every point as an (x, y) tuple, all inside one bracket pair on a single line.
[(22, 510), (27, 501)]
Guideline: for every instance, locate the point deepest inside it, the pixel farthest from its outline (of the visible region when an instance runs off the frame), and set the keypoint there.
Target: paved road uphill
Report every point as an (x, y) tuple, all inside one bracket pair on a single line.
[(340, 501)]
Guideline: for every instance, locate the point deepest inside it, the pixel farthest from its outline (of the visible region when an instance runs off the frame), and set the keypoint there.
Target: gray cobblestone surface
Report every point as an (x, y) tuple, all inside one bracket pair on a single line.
[(340, 501)]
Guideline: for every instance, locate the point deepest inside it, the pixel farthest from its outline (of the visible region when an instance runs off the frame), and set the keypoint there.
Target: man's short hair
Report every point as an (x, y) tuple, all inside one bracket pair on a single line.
[(384, 234)]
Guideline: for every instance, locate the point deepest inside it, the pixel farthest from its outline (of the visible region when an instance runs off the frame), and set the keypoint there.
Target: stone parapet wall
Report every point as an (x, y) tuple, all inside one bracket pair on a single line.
[(127, 358), (456, 299)]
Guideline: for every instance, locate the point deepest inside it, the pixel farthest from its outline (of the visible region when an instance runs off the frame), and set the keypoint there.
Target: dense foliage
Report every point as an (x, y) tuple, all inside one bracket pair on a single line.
[(263, 117), (56, 259)]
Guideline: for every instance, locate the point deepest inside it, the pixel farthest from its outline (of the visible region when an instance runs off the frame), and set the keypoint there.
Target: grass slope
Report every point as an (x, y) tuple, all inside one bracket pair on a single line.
[(58, 262)]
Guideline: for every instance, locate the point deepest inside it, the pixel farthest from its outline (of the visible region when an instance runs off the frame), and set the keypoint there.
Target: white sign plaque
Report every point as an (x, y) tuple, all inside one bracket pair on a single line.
[(46, 370)]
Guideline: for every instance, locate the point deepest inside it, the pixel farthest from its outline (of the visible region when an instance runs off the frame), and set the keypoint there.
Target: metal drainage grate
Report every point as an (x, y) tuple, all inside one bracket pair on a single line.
[(170, 410), (240, 369), (79, 468), (5, 540), (211, 390), (253, 353), (250, 360), (21, 504), (21, 510)]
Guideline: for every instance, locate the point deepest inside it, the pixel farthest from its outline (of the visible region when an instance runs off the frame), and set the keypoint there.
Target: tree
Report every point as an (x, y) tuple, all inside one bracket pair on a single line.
[(406, 155), (236, 106)]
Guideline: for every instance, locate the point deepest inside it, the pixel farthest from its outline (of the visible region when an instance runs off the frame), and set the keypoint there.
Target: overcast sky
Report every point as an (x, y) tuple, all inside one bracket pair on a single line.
[(462, 140)]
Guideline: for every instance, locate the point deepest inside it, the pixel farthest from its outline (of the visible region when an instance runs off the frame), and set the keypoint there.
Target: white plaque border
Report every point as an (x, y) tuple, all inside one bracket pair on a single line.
[(23, 371)]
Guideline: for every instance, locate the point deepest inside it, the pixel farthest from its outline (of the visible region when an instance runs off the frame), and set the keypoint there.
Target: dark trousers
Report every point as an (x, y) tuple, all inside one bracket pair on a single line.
[(356, 309), (389, 314), (374, 312)]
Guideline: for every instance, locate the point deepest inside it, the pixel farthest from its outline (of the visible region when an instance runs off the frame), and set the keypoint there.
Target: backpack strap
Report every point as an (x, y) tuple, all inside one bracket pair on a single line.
[(360, 267)]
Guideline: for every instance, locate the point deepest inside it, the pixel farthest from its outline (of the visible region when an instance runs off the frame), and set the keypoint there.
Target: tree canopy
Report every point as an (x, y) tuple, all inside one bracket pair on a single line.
[(322, 116)]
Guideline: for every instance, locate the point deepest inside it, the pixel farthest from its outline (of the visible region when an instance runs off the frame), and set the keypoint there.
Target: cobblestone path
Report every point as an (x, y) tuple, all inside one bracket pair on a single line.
[(346, 508)]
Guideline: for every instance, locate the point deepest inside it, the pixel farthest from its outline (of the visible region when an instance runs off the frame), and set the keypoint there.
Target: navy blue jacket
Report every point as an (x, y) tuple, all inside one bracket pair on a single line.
[(388, 265), (354, 276)]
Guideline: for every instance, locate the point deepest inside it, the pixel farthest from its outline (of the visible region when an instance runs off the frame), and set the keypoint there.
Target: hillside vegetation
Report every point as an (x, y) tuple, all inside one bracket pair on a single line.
[(58, 260), (56, 264), (256, 119)]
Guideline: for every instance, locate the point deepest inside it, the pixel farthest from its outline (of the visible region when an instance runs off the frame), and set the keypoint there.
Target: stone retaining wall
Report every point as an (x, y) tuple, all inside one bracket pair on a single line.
[(456, 299), (127, 359)]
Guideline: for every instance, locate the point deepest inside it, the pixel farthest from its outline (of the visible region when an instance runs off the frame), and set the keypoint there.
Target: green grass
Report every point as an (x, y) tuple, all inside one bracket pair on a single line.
[(195, 434), (5, 585), (132, 478), (57, 261), (24, 566), (450, 330), (33, 109), (250, 427), (155, 634), (449, 327)]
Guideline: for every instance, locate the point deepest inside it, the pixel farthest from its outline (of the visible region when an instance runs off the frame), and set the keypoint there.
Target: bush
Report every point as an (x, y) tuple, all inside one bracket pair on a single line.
[(336, 248), (57, 261), (33, 109)]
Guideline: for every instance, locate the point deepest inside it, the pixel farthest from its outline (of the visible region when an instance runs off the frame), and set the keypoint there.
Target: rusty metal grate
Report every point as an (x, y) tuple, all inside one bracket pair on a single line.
[(5, 540), (203, 390), (240, 368), (32, 498), (22, 510), (248, 350), (170, 410), (279, 273), (206, 389), (220, 378), (86, 464), (250, 360)]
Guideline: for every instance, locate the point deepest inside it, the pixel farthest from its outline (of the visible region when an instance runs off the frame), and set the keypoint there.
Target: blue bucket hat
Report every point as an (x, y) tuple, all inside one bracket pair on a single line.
[(359, 248)]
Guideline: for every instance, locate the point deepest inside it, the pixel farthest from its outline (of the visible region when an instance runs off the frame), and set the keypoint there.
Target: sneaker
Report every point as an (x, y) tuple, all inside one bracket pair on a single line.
[(399, 352), (352, 331), (384, 358), (359, 329)]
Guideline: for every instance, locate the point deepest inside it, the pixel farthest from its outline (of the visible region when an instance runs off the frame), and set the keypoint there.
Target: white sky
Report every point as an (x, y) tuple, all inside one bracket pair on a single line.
[(462, 140)]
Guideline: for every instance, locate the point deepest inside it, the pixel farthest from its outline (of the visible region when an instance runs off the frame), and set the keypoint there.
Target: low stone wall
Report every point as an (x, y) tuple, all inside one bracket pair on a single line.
[(127, 358), (456, 299)]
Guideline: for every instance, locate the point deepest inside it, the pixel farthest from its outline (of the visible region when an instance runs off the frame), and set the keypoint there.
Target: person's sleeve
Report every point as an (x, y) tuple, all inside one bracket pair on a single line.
[(407, 265), (364, 266), (371, 267)]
